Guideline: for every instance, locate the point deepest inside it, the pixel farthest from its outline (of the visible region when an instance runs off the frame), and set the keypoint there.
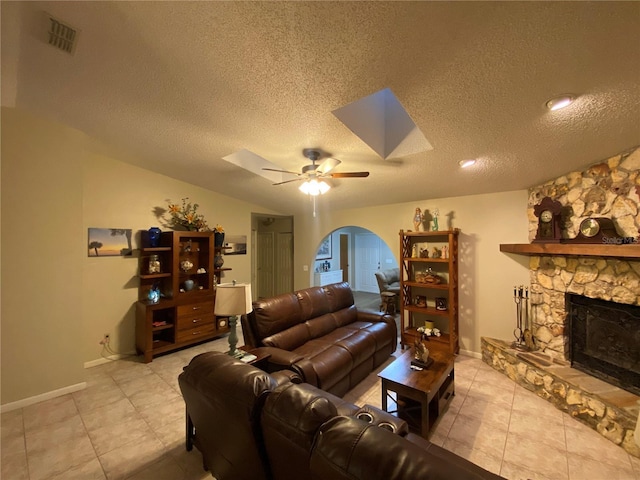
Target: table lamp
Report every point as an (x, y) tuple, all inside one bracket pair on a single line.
[(233, 299)]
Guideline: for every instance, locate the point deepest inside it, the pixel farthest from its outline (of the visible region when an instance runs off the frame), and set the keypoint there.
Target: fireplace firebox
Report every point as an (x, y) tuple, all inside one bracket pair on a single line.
[(605, 340)]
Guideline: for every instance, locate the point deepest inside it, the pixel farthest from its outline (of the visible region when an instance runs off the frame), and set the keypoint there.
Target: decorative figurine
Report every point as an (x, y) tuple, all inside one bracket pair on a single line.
[(435, 253), (436, 212), (417, 219), (186, 265), (154, 294), (421, 352), (414, 251), (424, 253), (445, 251)]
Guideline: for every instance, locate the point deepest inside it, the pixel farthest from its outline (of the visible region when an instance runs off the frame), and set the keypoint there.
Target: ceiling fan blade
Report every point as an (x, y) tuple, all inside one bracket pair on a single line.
[(328, 165), (288, 181), (280, 171), (348, 175)]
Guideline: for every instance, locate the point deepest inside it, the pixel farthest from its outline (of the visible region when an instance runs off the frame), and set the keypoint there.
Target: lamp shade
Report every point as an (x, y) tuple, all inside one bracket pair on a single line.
[(233, 299)]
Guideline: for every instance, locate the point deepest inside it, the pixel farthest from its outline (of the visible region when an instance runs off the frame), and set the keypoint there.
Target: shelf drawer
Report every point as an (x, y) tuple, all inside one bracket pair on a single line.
[(202, 308), (195, 321), (204, 330)]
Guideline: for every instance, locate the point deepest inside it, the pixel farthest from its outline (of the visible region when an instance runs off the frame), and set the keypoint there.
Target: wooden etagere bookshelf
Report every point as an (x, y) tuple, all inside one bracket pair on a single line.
[(421, 300)]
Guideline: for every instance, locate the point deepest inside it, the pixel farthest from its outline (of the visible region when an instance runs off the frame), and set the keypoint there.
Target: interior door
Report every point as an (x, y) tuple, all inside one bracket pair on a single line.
[(367, 262), (344, 256), (265, 264), (284, 263)]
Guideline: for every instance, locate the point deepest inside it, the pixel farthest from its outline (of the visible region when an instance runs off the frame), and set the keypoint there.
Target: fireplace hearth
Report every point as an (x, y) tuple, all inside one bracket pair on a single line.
[(604, 340)]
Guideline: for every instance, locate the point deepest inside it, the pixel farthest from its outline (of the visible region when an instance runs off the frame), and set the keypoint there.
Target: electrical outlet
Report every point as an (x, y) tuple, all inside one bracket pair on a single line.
[(105, 339)]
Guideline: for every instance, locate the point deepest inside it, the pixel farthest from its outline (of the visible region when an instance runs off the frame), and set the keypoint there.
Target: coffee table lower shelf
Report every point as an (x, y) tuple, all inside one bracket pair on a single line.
[(420, 396)]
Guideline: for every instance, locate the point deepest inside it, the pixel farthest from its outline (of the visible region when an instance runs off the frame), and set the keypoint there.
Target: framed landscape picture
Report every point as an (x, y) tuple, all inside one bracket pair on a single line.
[(324, 250), (109, 242)]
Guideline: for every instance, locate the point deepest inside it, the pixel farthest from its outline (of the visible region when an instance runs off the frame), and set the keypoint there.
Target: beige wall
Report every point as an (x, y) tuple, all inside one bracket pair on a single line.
[(486, 275), (57, 302), (42, 253)]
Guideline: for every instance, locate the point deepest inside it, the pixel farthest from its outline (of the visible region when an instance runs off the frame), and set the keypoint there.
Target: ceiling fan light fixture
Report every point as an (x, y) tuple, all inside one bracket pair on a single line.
[(467, 163), (314, 187), (560, 102)]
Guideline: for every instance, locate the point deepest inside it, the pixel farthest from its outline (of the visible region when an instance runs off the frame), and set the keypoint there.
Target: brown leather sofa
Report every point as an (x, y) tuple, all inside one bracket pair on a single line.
[(252, 425), (320, 334)]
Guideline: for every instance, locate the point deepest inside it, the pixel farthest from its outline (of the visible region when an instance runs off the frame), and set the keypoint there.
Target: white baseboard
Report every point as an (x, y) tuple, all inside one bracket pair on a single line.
[(110, 358), (25, 402), (469, 353)]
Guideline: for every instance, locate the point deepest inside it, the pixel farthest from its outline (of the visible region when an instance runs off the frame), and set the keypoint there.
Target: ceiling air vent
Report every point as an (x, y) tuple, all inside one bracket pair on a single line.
[(61, 36)]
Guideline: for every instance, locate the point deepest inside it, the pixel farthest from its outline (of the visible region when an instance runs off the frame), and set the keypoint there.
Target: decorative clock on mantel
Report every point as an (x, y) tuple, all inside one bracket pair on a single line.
[(596, 230), (549, 213)]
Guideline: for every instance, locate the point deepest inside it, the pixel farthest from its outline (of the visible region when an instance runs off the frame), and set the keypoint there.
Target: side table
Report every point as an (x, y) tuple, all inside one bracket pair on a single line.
[(421, 396), (261, 358)]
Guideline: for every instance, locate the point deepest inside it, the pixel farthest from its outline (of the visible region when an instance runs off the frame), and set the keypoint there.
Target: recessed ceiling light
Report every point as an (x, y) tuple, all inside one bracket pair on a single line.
[(466, 163), (560, 102)]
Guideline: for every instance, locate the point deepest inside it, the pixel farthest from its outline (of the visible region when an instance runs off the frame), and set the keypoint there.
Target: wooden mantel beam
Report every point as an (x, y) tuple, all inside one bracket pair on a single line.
[(592, 250)]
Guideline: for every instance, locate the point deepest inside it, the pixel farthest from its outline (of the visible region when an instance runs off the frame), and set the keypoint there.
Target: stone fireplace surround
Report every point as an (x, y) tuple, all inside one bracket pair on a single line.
[(609, 189)]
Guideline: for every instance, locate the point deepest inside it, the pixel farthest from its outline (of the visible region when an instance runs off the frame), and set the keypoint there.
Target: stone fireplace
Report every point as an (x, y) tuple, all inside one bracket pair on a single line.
[(598, 273)]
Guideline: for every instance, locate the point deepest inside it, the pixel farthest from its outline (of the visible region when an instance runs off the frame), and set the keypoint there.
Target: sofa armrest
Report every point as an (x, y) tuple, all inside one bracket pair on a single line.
[(376, 416), (286, 376), (373, 316), (279, 357)]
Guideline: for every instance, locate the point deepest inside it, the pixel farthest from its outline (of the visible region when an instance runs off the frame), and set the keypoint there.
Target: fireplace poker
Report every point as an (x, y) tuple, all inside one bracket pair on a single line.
[(518, 297), (526, 334)]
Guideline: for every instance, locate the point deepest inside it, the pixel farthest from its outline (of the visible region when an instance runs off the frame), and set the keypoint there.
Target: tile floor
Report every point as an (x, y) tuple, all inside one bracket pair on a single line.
[(129, 424)]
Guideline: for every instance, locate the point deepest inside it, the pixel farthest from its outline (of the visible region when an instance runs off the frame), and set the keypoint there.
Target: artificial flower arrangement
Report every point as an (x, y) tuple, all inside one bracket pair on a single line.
[(187, 216), (218, 229), (429, 332)]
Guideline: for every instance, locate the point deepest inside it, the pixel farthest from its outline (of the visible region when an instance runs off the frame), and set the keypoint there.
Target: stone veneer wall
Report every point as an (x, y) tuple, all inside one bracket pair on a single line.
[(608, 189)]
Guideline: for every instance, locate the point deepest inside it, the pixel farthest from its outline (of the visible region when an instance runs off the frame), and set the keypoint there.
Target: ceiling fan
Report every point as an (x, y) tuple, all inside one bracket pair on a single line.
[(314, 173)]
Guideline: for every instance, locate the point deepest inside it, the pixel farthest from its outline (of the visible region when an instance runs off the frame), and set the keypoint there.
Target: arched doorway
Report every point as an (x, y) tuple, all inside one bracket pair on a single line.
[(353, 254)]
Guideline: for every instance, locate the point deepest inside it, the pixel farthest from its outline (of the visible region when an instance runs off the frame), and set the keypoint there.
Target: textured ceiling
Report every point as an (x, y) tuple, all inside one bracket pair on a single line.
[(175, 86)]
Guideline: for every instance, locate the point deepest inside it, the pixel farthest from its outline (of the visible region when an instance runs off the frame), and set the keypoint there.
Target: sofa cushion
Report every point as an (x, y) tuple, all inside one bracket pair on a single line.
[(361, 345), (339, 296), (331, 363), (276, 314), (346, 315), (313, 302), (290, 338), (321, 325)]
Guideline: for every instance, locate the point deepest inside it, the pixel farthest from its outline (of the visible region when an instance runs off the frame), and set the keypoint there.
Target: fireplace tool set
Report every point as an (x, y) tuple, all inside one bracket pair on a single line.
[(522, 332)]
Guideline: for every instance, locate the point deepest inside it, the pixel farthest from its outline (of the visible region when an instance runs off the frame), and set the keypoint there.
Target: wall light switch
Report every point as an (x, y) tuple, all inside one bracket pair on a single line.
[(305, 268)]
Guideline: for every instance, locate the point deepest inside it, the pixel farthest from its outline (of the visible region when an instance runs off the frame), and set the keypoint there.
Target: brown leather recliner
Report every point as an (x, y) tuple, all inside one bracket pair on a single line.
[(319, 333), (252, 425), (224, 399)]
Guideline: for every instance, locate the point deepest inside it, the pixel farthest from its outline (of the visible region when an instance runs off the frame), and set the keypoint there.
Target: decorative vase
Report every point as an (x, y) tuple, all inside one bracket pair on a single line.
[(218, 261), (188, 284), (154, 237), (218, 239)]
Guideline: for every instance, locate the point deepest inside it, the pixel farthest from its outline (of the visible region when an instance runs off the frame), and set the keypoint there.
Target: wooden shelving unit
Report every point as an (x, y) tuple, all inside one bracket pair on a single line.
[(184, 314), (412, 266)]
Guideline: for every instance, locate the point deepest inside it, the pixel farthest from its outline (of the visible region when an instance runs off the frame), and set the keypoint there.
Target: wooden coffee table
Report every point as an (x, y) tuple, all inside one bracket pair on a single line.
[(421, 396)]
